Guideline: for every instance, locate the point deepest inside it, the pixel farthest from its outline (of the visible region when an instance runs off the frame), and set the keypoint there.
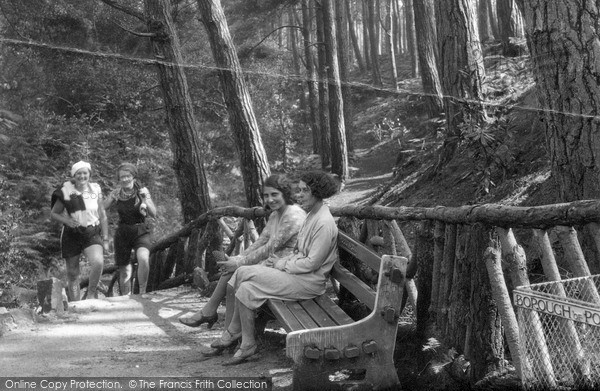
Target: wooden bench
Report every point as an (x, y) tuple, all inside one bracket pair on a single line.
[(328, 348)]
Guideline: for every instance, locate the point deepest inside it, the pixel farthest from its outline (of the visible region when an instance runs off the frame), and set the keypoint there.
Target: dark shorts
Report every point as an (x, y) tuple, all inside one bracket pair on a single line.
[(130, 237), (74, 240)]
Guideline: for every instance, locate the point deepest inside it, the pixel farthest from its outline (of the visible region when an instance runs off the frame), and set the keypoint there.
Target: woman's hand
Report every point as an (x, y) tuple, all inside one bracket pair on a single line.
[(228, 266), (72, 223)]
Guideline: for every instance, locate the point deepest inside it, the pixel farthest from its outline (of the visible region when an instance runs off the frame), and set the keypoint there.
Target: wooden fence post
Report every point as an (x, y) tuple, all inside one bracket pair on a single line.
[(514, 255), (493, 263), (447, 273), (438, 255), (566, 326)]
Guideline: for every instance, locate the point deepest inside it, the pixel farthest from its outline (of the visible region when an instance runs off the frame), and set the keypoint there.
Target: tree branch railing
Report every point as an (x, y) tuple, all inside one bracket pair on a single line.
[(453, 247)]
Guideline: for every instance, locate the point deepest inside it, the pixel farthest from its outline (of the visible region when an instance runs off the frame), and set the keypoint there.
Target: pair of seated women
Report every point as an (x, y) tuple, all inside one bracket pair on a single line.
[(291, 260)]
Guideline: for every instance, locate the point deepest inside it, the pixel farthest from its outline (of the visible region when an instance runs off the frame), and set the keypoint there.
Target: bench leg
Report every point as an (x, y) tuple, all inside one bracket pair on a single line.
[(360, 354)]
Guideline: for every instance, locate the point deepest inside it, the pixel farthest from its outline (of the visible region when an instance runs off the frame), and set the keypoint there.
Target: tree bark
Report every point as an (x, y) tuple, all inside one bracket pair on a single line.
[(483, 21), (544, 216), (365, 36), (485, 348), (344, 61), (324, 115), (423, 256), (426, 44), (505, 26), (185, 142), (253, 158), (339, 153), (311, 76), (493, 263), (389, 41), (411, 38), (354, 39), (564, 41), (461, 72), (373, 27)]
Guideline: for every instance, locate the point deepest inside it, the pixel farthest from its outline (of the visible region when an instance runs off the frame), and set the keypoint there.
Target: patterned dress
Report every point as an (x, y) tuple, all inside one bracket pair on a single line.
[(277, 239), (297, 276)]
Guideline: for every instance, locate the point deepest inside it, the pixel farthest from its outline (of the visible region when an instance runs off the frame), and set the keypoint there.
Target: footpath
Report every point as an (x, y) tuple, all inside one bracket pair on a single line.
[(133, 337)]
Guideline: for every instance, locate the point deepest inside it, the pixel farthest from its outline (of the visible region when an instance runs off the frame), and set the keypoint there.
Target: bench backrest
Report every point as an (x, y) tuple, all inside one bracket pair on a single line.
[(351, 247)]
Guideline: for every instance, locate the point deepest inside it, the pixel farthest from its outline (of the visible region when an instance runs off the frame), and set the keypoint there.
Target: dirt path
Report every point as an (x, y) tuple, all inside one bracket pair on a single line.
[(132, 337), (140, 337)]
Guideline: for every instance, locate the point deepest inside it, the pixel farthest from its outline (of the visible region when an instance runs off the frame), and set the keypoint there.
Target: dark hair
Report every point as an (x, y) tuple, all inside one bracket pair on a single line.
[(281, 183), (321, 184), (128, 167)]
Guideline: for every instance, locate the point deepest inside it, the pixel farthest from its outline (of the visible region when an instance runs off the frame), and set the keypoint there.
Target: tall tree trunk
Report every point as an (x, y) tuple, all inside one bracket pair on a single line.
[(461, 72), (366, 32), (389, 41), (505, 26), (339, 153), (426, 44), (185, 143), (411, 38), (297, 76), (344, 60), (564, 39), (311, 76), (492, 17), (324, 120), (253, 158), (397, 27), (354, 39), (373, 27), (483, 20)]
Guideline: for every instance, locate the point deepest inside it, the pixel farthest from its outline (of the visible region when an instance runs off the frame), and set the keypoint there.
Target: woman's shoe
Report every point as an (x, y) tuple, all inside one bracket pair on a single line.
[(242, 355), (209, 320), (226, 340)]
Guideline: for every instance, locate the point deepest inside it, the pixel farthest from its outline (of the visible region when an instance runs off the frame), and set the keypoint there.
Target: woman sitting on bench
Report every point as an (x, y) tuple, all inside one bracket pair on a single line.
[(298, 276), (278, 238)]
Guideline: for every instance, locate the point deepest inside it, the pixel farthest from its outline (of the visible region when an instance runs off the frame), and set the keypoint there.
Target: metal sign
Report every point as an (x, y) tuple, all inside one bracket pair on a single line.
[(556, 306)]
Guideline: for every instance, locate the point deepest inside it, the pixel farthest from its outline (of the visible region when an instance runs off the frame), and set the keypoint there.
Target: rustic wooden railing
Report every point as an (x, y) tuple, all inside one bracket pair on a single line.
[(462, 254)]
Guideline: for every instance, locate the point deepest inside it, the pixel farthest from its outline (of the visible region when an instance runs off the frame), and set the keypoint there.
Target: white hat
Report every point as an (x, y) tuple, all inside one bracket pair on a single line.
[(79, 165)]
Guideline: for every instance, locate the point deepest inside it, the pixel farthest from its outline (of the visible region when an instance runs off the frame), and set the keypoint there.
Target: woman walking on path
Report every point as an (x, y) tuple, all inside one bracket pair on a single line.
[(277, 240), (298, 276), (134, 204), (78, 205)]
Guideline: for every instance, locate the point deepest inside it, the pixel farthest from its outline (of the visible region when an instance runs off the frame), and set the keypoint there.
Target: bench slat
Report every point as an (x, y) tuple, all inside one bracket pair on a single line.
[(335, 312), (317, 313), (358, 250), (302, 316), (359, 289), (284, 315)]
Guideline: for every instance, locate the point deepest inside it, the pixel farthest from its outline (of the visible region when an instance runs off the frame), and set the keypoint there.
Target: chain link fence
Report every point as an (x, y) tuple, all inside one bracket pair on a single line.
[(559, 326)]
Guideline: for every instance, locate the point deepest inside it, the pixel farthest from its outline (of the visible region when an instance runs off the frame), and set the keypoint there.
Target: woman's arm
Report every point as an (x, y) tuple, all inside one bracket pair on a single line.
[(108, 202), (323, 240), (287, 229), (147, 199), (103, 219), (57, 214)]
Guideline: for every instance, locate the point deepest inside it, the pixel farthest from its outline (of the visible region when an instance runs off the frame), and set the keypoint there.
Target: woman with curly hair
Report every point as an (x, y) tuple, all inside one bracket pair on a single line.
[(299, 276), (277, 239)]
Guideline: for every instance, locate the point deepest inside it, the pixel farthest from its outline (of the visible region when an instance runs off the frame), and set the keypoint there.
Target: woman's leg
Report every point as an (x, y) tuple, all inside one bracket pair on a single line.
[(125, 279), (215, 299), (73, 272), (143, 269), (95, 256), (246, 319)]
